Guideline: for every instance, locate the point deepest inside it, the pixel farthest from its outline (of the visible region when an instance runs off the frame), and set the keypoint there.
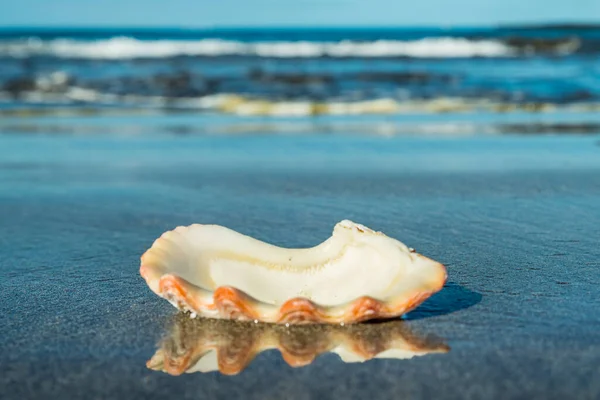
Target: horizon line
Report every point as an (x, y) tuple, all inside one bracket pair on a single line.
[(529, 25)]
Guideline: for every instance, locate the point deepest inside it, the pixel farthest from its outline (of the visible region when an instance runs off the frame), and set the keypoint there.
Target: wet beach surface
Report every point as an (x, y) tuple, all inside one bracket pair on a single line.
[(514, 218)]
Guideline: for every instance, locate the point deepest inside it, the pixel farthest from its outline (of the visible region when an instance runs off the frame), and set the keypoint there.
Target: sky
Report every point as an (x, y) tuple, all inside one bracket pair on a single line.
[(215, 13)]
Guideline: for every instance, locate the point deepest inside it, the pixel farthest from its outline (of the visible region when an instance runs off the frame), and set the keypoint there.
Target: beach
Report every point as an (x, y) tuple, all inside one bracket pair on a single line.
[(514, 217), (479, 147)]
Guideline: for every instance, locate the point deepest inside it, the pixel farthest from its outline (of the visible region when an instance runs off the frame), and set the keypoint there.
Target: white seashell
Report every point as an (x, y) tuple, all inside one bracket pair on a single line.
[(205, 345), (355, 275)]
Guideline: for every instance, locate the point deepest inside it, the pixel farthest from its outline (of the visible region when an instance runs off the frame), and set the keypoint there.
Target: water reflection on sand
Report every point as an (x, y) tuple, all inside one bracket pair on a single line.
[(205, 345)]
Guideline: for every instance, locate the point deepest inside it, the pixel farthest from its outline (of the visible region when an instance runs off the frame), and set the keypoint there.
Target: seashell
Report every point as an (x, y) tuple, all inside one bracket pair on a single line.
[(355, 275), (206, 345)]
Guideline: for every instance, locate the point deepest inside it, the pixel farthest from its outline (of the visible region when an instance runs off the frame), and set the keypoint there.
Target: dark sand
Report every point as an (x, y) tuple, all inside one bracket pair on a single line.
[(515, 219)]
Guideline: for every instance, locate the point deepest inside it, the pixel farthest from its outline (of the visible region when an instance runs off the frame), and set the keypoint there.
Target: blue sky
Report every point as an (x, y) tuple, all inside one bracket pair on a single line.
[(205, 13)]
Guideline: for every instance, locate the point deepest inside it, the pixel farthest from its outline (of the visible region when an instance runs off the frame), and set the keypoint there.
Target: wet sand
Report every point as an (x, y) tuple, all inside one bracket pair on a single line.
[(515, 219)]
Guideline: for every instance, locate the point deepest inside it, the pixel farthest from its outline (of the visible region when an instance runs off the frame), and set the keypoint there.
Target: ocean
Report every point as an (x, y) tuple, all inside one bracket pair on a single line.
[(302, 71)]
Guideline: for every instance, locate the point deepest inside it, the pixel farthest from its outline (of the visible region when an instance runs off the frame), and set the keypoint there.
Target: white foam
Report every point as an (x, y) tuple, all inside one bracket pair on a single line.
[(126, 48)]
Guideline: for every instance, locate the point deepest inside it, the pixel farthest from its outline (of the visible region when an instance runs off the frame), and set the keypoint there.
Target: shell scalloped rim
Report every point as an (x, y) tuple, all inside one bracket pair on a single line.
[(355, 275)]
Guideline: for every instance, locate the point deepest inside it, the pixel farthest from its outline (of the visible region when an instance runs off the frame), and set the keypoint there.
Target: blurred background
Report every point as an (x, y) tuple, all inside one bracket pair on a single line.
[(489, 67)]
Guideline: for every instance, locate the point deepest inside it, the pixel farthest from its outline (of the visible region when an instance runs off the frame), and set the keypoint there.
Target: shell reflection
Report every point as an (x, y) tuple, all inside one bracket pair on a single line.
[(205, 345)]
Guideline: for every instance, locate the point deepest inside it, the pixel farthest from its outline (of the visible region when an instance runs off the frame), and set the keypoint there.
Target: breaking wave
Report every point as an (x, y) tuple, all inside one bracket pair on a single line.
[(129, 48)]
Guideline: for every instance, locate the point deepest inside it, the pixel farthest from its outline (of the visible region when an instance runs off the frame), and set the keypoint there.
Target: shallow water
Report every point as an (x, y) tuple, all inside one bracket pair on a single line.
[(515, 219), (489, 68)]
